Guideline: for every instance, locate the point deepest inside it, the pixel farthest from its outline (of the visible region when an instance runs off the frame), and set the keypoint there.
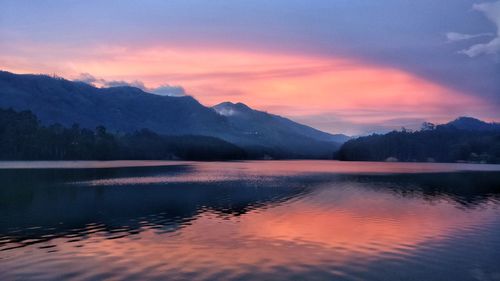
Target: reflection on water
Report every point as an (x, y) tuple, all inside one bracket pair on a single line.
[(294, 220)]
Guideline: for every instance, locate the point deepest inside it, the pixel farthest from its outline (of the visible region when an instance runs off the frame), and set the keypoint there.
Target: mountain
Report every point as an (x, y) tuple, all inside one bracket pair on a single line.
[(125, 109), (463, 140), (129, 109), (472, 124), (269, 130), (250, 121)]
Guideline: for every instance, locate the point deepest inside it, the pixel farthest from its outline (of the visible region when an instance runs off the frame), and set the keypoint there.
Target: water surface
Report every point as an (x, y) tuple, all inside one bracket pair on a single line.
[(271, 220)]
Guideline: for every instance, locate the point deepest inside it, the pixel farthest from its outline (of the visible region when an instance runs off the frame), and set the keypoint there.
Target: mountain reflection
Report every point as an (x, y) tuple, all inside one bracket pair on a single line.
[(52, 203), (194, 218), (59, 201)]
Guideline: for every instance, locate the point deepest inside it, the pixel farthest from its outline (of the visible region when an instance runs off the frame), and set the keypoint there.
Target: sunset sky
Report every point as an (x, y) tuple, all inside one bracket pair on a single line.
[(351, 66)]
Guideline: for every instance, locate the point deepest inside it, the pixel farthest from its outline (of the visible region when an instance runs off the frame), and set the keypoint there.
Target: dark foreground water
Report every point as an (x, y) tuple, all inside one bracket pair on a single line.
[(294, 220)]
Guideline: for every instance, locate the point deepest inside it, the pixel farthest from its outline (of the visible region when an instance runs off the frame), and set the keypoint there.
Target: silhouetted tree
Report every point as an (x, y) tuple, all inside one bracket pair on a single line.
[(24, 138), (432, 143)]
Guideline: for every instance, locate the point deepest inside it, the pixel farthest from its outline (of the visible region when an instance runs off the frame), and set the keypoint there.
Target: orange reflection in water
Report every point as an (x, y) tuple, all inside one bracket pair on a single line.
[(336, 225)]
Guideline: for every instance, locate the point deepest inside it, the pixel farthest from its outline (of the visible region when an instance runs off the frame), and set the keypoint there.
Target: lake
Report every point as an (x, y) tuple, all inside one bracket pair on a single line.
[(251, 220)]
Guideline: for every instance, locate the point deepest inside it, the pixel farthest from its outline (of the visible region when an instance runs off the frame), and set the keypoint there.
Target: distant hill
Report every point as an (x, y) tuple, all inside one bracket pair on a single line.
[(472, 124), (463, 140), (128, 109)]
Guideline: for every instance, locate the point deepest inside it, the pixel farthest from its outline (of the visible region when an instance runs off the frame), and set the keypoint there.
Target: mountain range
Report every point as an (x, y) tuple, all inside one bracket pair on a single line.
[(129, 109)]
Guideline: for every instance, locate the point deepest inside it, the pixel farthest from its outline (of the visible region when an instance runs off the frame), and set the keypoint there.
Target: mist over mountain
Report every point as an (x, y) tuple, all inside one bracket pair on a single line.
[(128, 109), (268, 130), (251, 121)]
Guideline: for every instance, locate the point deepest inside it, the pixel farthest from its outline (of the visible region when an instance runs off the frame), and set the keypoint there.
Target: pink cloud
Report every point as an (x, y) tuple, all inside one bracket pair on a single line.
[(284, 83)]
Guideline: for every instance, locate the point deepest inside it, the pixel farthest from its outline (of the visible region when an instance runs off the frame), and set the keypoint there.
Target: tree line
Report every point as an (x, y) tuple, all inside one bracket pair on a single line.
[(23, 137), (440, 143)]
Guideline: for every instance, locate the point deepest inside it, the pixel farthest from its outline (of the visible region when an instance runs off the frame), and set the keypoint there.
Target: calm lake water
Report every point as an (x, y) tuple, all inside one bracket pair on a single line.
[(272, 220)]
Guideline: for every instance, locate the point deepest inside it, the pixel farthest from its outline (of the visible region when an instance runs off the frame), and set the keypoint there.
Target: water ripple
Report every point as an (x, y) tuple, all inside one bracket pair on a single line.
[(242, 221)]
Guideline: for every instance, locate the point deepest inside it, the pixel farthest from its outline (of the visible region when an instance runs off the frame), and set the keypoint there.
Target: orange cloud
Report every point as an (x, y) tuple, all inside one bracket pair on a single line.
[(289, 84), (306, 85)]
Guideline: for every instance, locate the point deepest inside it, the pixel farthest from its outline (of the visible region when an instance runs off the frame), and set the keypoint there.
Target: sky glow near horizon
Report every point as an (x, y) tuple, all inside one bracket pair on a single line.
[(341, 66)]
